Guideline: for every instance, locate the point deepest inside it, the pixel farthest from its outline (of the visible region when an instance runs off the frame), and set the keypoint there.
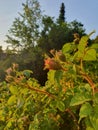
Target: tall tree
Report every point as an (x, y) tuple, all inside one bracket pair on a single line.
[(62, 13), (25, 29)]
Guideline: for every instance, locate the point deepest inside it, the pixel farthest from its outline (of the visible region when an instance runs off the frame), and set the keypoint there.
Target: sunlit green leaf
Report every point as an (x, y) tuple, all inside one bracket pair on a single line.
[(94, 46), (27, 73), (78, 55), (85, 110), (66, 48), (2, 118), (96, 98), (51, 75), (13, 89), (58, 75), (90, 55), (96, 108), (9, 124), (12, 100), (53, 104), (83, 43), (31, 127), (20, 102), (90, 128), (80, 98), (94, 121), (61, 106)]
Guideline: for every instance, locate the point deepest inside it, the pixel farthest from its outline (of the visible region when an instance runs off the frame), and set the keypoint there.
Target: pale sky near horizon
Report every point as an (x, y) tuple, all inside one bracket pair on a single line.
[(84, 11)]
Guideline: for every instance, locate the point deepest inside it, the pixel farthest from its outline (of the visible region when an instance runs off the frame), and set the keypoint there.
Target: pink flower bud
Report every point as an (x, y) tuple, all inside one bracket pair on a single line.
[(9, 71)]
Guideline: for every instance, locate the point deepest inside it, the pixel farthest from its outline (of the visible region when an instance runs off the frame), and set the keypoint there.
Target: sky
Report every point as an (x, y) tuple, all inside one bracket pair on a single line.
[(84, 11)]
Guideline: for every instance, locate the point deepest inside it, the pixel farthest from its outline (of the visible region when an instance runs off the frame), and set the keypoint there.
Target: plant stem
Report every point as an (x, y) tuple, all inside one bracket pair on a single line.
[(41, 91), (74, 118), (89, 80)]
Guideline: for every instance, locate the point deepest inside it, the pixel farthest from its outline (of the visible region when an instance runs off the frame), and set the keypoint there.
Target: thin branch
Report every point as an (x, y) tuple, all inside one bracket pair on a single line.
[(74, 118), (41, 91), (89, 80), (35, 89)]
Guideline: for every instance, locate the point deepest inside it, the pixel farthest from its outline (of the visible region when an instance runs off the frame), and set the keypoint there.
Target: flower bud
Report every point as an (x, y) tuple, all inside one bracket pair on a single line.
[(9, 71), (52, 64), (76, 38), (15, 66), (9, 78), (53, 52)]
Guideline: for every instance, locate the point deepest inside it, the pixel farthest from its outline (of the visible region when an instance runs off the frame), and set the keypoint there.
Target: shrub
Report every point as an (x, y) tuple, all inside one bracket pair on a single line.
[(69, 99)]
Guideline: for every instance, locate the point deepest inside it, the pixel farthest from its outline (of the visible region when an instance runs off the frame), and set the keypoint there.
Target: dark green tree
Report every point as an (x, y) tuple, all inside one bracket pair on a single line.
[(32, 59), (47, 25), (55, 35), (62, 13), (77, 27)]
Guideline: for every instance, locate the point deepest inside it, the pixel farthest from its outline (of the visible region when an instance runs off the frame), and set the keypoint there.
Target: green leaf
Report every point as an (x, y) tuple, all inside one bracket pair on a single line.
[(61, 106), (88, 124), (12, 100), (88, 87), (80, 98), (9, 124), (27, 73), (94, 121), (20, 102), (51, 75), (2, 116), (83, 43), (58, 76), (53, 104), (85, 110), (96, 108), (94, 46), (91, 33), (90, 55), (89, 128), (78, 55), (13, 89), (31, 127), (66, 48), (96, 98)]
